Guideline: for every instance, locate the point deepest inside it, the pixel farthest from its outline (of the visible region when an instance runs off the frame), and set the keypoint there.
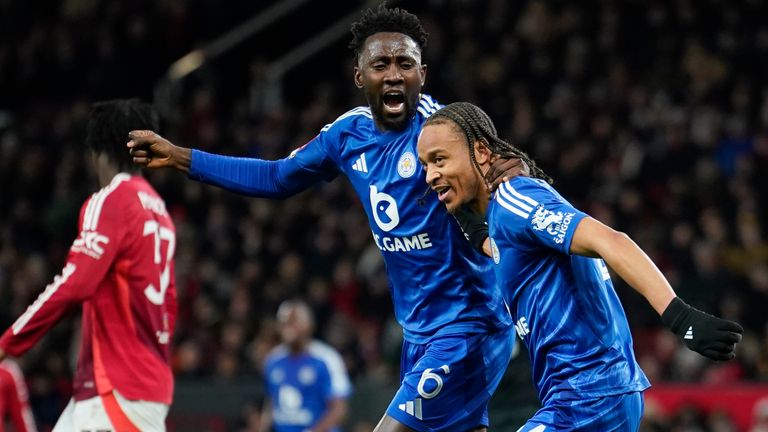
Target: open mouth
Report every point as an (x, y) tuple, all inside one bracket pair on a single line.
[(394, 102), (442, 191)]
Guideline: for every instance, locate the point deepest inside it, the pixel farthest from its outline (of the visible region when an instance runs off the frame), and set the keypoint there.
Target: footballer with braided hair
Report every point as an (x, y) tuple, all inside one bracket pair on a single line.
[(458, 335), (550, 264)]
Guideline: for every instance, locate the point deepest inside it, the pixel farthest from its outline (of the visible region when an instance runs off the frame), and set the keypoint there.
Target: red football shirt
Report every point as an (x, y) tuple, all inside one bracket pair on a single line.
[(14, 399), (120, 268)]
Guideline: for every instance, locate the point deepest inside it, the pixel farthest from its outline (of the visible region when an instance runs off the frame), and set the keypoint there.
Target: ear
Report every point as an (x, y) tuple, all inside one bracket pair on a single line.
[(423, 74), (483, 154), (358, 74)]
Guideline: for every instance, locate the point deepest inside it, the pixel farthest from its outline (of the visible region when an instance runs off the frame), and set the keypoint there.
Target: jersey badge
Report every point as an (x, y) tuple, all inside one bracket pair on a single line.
[(406, 166)]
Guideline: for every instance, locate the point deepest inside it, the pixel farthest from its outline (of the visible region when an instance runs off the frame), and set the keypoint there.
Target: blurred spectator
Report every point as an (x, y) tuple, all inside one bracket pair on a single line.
[(306, 382)]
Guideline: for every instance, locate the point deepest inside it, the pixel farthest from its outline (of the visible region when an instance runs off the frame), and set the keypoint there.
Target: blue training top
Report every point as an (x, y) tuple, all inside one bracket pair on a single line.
[(301, 386), (564, 306), (440, 285)]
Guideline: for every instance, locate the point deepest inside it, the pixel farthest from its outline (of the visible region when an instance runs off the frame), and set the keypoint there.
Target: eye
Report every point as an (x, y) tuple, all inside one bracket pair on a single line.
[(406, 65), (379, 66), (439, 160)]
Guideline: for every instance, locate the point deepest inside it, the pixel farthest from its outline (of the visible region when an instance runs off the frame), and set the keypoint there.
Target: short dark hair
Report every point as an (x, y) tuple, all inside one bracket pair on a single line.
[(476, 125), (109, 123), (384, 19)]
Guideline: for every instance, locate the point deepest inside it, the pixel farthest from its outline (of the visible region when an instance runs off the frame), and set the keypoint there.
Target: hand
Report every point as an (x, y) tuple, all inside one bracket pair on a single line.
[(473, 226), (708, 335), (504, 169), (150, 150)]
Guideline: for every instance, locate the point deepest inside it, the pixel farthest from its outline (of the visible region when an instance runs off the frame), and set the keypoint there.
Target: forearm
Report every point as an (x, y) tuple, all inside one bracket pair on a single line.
[(247, 176), (67, 290), (636, 268)]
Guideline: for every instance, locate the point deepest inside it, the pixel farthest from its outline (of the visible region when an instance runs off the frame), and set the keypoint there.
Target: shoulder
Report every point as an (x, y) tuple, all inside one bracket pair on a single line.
[(350, 119), (427, 106), (521, 195), (275, 355), (325, 353), (109, 200)]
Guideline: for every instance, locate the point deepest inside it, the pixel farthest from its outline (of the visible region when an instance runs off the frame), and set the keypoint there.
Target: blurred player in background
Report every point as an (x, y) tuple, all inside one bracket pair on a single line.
[(306, 381), (120, 269), (457, 330), (548, 264), (14, 399)]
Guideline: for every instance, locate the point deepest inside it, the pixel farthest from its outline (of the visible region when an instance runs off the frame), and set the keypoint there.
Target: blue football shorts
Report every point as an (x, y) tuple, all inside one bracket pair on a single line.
[(618, 413), (446, 383)]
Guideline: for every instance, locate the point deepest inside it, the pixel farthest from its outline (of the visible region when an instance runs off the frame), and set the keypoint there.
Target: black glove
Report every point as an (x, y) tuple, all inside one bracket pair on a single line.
[(474, 227), (708, 335)]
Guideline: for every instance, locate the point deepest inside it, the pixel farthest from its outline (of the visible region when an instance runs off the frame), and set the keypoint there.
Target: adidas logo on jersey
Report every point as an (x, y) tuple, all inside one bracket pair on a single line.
[(689, 333), (360, 164), (412, 407)]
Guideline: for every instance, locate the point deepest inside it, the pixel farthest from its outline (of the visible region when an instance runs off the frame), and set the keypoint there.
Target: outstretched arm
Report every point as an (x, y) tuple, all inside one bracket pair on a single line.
[(708, 335), (248, 176), (595, 239)]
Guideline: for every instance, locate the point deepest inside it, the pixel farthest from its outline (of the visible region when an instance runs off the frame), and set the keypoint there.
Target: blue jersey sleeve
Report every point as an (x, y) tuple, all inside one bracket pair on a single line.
[(268, 179), (534, 215)]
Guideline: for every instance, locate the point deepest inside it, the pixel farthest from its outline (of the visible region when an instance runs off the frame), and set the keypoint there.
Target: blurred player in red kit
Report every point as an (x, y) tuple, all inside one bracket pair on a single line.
[(14, 399), (121, 270)]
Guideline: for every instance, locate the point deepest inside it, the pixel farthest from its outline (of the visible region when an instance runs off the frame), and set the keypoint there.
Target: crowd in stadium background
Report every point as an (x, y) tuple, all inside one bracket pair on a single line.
[(651, 117)]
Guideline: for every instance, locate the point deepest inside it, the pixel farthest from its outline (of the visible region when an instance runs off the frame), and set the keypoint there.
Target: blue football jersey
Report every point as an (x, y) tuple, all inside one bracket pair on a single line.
[(564, 306), (300, 386), (440, 285)]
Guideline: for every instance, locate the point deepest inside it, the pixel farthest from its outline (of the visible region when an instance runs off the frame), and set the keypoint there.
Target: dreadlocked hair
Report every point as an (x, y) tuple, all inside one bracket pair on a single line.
[(384, 19), (476, 125), (109, 123)]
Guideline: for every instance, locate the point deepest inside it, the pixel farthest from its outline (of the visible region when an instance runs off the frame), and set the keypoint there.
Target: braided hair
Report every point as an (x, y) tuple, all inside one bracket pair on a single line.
[(476, 125), (384, 19)]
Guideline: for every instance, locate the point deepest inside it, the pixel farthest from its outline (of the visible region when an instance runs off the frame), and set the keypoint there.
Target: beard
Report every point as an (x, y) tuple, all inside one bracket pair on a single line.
[(389, 122)]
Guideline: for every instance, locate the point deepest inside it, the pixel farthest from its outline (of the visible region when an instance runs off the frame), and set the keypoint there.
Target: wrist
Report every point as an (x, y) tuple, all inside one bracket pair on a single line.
[(182, 159), (674, 313)]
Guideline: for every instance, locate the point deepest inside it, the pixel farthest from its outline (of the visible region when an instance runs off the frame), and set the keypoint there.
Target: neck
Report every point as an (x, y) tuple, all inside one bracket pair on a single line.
[(298, 347), (106, 174), (483, 196), (480, 205), (105, 169)]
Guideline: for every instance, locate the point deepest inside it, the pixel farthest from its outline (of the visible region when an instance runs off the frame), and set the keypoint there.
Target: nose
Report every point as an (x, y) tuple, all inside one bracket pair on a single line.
[(432, 175), (394, 74)]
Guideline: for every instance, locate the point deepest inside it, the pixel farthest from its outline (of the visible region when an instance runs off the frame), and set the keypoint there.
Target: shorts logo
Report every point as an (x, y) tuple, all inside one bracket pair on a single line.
[(495, 251), (406, 166), (384, 209), (555, 223), (412, 407)]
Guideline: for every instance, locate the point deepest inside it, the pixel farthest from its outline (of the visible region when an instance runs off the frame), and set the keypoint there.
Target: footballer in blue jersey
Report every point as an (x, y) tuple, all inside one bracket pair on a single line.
[(550, 262), (457, 329), (306, 381)]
